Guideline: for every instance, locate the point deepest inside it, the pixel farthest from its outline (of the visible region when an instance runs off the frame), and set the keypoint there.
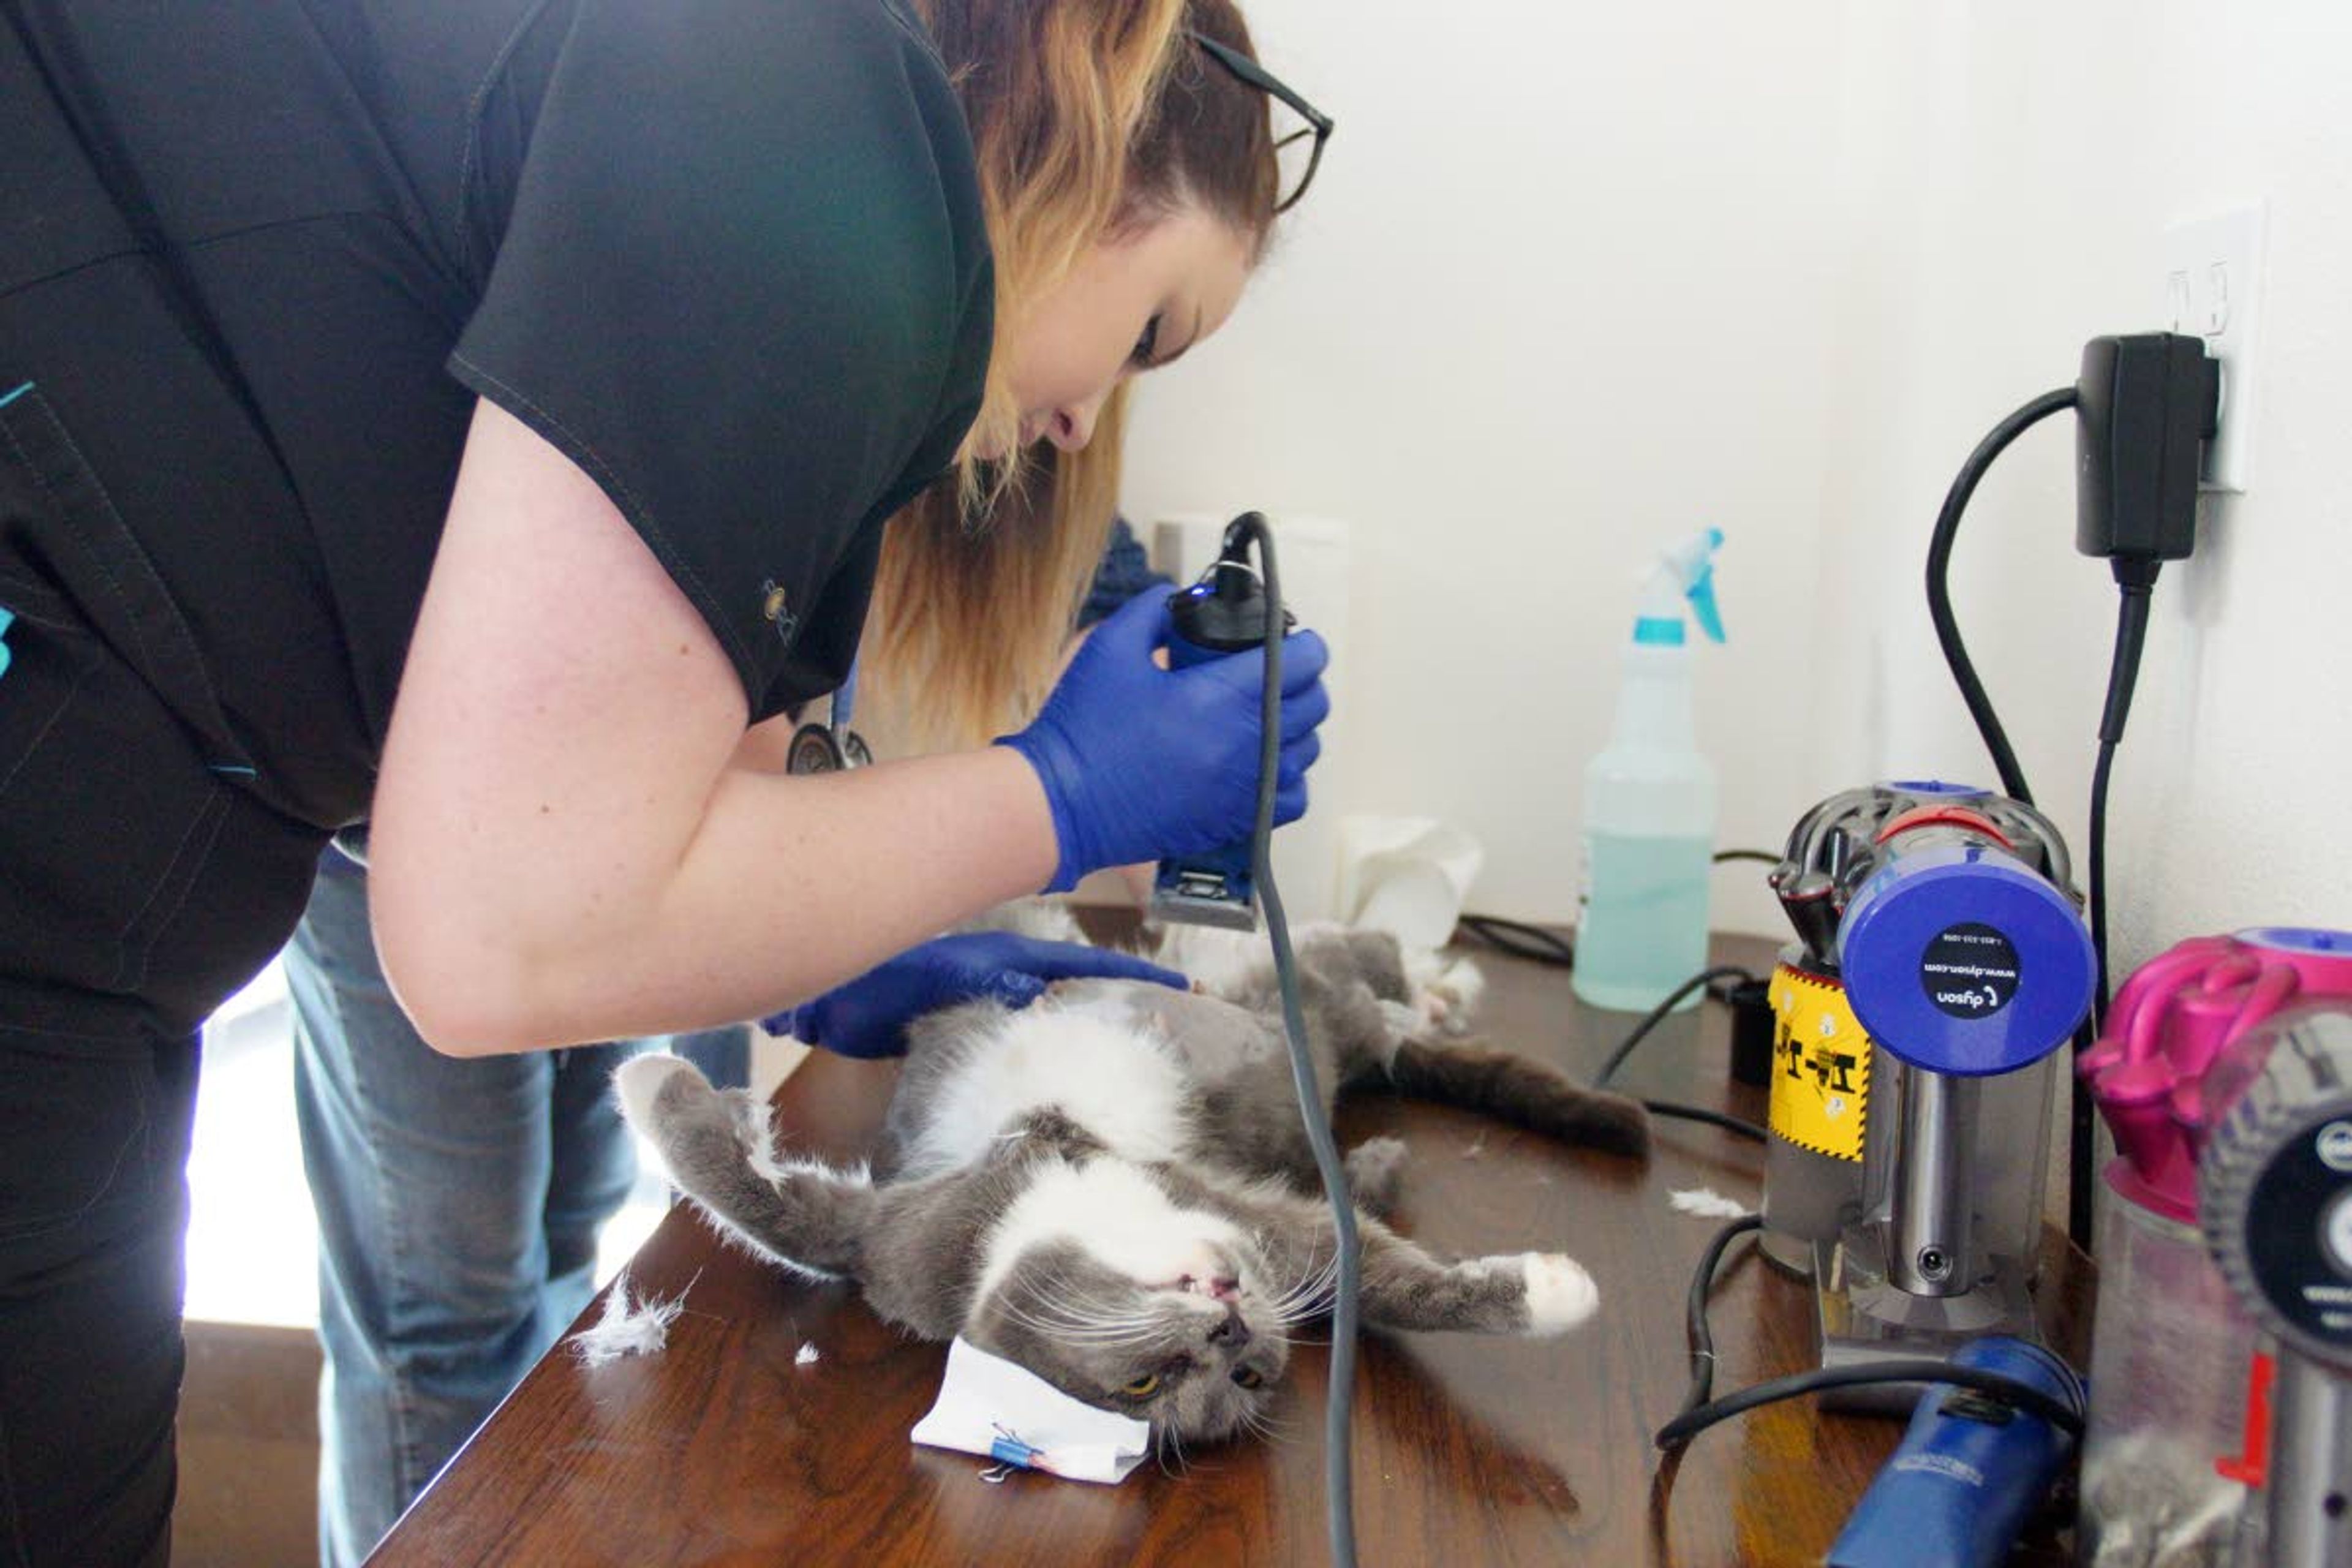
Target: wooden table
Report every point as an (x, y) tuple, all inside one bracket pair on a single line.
[(1468, 1451)]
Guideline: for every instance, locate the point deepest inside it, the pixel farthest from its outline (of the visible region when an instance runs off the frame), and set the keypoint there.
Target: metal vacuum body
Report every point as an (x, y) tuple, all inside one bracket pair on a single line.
[(1941, 961), (2275, 1196)]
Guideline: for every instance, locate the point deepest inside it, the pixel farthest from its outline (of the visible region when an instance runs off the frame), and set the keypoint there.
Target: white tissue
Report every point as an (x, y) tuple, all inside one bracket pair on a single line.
[(984, 1400), (1406, 876), (1706, 1203)]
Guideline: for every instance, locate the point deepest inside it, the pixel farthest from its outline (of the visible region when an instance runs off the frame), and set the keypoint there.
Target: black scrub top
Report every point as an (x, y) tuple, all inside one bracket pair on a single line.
[(726, 255)]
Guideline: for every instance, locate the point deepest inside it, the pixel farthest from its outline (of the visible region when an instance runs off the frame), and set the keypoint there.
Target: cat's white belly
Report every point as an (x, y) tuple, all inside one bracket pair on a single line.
[(1120, 1216), (1089, 1061)]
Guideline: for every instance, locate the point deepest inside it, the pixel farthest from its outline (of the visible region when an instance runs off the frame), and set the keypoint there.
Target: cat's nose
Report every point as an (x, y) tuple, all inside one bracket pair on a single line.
[(1232, 1332)]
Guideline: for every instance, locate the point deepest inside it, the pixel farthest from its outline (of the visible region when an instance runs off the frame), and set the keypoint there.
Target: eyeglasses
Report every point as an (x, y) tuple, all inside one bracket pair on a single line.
[(1318, 124)]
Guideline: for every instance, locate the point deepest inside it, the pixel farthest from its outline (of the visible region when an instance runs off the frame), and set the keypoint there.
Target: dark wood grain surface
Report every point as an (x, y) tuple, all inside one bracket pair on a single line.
[(1468, 1451)]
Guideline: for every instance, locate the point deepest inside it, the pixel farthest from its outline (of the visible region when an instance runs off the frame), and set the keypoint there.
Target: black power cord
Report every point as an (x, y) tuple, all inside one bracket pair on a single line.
[(1338, 1471), (1939, 593), (1521, 940), (1651, 1020), (1539, 945), (1695, 1326), (1700, 1411), (2081, 1132), (2135, 582)]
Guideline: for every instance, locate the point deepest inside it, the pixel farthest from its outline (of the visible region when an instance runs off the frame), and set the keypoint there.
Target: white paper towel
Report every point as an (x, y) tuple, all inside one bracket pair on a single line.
[(1407, 876), (989, 1407)]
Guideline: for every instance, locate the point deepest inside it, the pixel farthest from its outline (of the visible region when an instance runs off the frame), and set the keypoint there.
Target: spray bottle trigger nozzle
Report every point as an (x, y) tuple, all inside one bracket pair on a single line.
[(1701, 595)]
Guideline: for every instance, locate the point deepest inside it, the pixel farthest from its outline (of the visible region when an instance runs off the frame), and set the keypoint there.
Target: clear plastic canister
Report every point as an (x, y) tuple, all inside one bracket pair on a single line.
[(2170, 1358)]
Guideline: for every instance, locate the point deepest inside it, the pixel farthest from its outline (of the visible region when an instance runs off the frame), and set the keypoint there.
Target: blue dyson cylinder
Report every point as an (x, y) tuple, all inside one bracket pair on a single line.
[(1960, 958), (1970, 1472)]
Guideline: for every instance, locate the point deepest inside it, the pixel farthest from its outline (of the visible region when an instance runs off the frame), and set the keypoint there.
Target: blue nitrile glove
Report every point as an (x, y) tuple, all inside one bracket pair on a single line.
[(868, 1015), (1140, 762)]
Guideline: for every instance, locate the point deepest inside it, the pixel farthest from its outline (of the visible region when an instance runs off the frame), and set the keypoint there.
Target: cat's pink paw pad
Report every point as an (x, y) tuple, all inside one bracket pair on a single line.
[(1446, 998), (1560, 1293)]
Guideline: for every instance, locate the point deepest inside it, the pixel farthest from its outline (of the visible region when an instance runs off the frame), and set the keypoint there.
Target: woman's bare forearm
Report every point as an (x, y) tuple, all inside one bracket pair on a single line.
[(568, 844), (790, 886)]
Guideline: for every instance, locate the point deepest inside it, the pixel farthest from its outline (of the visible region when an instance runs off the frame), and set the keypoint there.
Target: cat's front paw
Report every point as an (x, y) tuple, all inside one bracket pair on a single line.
[(1375, 1170), (1560, 1293), (638, 1083)]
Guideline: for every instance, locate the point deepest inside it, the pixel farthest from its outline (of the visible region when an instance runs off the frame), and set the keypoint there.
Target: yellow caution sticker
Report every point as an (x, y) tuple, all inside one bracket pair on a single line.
[(1820, 1065)]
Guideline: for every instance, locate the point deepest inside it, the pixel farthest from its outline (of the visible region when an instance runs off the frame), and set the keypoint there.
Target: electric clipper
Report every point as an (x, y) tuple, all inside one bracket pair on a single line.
[(1223, 613)]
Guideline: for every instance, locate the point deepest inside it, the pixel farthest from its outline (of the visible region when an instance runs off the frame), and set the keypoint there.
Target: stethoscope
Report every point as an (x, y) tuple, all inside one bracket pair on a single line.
[(831, 747)]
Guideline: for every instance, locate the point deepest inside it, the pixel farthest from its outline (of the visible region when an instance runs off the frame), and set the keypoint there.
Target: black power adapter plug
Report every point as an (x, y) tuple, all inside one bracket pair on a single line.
[(2144, 406)]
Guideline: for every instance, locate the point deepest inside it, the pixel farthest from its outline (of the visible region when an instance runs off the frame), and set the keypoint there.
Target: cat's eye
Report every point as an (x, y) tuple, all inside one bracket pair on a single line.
[(1141, 1387), (1249, 1377)]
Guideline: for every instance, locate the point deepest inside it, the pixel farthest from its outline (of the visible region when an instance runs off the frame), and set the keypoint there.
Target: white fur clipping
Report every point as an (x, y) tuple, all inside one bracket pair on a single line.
[(808, 1355), (1706, 1203), (626, 1328)]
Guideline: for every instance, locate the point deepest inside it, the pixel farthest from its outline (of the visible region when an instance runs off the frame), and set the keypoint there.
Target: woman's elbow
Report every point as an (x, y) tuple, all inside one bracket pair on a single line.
[(465, 995)]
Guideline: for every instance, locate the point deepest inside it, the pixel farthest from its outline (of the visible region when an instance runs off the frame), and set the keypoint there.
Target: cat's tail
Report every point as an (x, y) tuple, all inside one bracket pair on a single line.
[(716, 1145), (1519, 1091)]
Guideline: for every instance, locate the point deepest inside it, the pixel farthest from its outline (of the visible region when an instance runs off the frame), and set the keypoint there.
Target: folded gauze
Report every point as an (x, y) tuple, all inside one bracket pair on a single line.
[(989, 1407)]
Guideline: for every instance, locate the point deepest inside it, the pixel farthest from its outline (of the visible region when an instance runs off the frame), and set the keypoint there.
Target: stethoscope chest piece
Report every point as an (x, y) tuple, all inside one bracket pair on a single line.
[(823, 749)]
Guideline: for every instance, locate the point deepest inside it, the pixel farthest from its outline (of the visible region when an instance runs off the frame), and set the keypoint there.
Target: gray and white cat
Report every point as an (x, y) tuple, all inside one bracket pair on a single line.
[(1112, 1188)]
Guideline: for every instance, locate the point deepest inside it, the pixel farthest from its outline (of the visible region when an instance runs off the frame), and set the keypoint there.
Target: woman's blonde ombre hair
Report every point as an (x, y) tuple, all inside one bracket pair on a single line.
[(1086, 116)]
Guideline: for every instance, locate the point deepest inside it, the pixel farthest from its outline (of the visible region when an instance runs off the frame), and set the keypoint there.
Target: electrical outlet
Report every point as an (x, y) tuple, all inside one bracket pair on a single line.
[(2213, 288)]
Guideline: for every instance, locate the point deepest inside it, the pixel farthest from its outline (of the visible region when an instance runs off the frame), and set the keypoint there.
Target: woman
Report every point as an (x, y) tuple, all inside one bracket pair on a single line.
[(688, 298)]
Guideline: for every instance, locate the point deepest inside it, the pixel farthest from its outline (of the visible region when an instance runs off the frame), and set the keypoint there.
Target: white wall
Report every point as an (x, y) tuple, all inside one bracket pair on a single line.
[(1556, 297), (2009, 170), (1576, 279)]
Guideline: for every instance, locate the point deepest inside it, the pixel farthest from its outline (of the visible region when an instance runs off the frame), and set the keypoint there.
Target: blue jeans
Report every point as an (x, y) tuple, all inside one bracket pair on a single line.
[(458, 1205)]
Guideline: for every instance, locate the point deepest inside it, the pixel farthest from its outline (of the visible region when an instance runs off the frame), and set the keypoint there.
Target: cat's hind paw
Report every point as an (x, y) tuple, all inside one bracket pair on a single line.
[(1561, 1294), (1446, 991)]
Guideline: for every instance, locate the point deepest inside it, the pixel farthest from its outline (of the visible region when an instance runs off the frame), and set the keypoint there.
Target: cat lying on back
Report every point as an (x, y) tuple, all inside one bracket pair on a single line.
[(1112, 1187)]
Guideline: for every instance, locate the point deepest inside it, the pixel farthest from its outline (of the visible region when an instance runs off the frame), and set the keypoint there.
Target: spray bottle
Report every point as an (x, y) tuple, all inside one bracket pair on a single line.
[(1649, 804)]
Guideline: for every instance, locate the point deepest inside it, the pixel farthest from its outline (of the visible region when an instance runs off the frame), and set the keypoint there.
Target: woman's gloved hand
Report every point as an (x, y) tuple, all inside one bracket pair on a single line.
[(1140, 762), (868, 1015)]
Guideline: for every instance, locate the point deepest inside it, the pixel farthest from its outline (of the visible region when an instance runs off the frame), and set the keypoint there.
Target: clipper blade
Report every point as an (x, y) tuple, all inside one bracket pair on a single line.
[(1202, 898)]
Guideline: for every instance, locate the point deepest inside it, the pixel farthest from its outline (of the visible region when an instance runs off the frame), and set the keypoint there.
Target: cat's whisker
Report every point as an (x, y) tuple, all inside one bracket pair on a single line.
[(1316, 1273), (1073, 1313), (1123, 1327), (1066, 1330), (1311, 1296)]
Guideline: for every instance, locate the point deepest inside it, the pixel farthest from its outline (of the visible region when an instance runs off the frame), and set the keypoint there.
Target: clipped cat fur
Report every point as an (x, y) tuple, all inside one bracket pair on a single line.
[(1112, 1187)]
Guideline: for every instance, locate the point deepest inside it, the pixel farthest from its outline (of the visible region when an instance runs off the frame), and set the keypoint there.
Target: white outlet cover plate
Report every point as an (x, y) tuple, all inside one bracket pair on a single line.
[(2212, 287)]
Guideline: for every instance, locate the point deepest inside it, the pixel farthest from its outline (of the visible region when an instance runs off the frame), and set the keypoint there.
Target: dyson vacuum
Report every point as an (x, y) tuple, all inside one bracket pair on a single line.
[(1941, 961), (2225, 1220)]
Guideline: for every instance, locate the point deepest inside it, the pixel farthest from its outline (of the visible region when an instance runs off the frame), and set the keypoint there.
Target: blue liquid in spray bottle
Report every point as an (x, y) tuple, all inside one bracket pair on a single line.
[(1649, 804)]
